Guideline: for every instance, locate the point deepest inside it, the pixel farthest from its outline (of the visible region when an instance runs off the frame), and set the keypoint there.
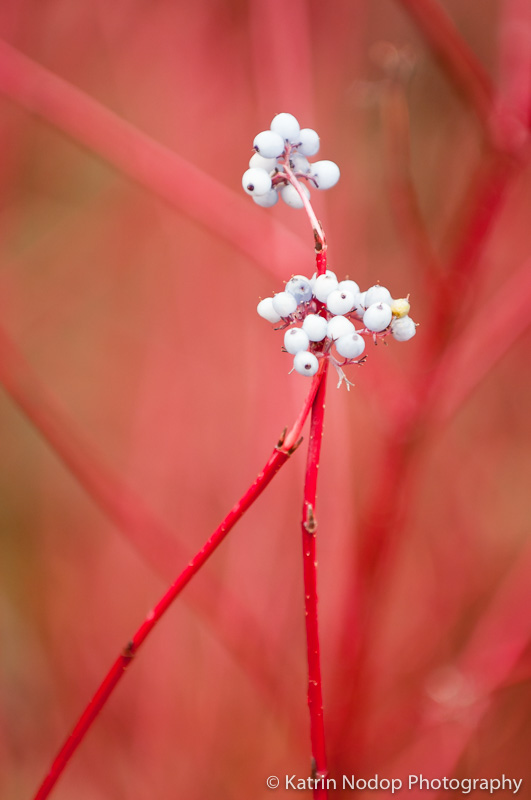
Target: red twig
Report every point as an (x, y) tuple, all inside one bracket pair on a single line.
[(512, 115), (481, 210), (154, 166), (144, 530), (276, 52), (383, 520), (403, 197), (318, 232), (482, 343), (454, 54), (279, 456), (486, 664), (309, 527)]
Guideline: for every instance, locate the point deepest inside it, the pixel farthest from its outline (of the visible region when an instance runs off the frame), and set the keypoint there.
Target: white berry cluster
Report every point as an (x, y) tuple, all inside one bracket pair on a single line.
[(318, 315), (280, 163)]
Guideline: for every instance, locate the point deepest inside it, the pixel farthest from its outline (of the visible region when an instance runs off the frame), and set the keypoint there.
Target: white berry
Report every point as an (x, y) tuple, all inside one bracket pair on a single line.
[(269, 144), (299, 163), (305, 363), (359, 304), (266, 310), (258, 161), (377, 317), (268, 199), (403, 329), (339, 326), (323, 286), (377, 294), (291, 196), (349, 286), (296, 339), (299, 286), (351, 345), (308, 142), (256, 181), (328, 272), (325, 174), (315, 327), (287, 126), (340, 302), (284, 304)]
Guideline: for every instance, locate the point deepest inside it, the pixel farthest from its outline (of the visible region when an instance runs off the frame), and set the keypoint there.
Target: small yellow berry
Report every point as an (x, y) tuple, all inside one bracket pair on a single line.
[(400, 307)]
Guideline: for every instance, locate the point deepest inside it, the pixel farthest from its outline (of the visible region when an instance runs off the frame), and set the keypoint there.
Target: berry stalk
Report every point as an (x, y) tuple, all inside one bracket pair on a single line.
[(287, 445), (318, 232), (309, 527)]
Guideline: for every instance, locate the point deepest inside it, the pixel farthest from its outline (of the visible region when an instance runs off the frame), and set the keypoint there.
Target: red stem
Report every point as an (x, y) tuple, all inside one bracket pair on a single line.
[(459, 61), (512, 117), (279, 456), (402, 194), (154, 166), (151, 536), (493, 330), (309, 526)]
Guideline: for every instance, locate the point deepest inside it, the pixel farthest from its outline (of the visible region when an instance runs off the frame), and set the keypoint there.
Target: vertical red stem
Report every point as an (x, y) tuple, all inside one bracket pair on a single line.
[(278, 457), (309, 526)]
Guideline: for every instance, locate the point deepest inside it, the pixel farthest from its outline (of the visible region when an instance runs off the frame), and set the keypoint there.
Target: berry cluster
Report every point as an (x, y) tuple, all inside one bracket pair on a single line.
[(318, 316), (280, 162)]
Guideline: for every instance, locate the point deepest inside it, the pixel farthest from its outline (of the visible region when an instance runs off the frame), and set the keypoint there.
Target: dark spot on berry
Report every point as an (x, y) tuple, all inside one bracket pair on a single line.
[(250, 186), (307, 366)]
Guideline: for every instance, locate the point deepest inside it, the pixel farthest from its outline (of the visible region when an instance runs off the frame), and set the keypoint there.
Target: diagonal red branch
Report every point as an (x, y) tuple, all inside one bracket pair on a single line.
[(487, 662), (278, 457), (460, 63), (148, 534), (154, 166), (483, 342)]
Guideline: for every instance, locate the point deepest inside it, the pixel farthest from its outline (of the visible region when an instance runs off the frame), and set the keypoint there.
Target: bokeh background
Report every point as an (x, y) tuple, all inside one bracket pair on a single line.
[(142, 393)]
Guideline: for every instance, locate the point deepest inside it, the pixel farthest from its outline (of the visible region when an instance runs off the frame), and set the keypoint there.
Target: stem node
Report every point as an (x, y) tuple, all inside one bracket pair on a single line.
[(129, 650), (295, 446), (311, 523), (282, 437)]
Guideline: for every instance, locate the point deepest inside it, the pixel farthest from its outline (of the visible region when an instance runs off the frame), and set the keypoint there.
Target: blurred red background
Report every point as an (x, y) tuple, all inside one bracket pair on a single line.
[(141, 385)]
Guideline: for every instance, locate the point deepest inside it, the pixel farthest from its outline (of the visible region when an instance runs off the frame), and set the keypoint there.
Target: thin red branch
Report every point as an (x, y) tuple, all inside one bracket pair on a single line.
[(388, 498), (481, 209), (278, 457), (487, 662), (191, 191), (309, 527), (459, 62), (402, 194), (147, 533), (512, 114), (276, 52), (482, 343), (318, 232)]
